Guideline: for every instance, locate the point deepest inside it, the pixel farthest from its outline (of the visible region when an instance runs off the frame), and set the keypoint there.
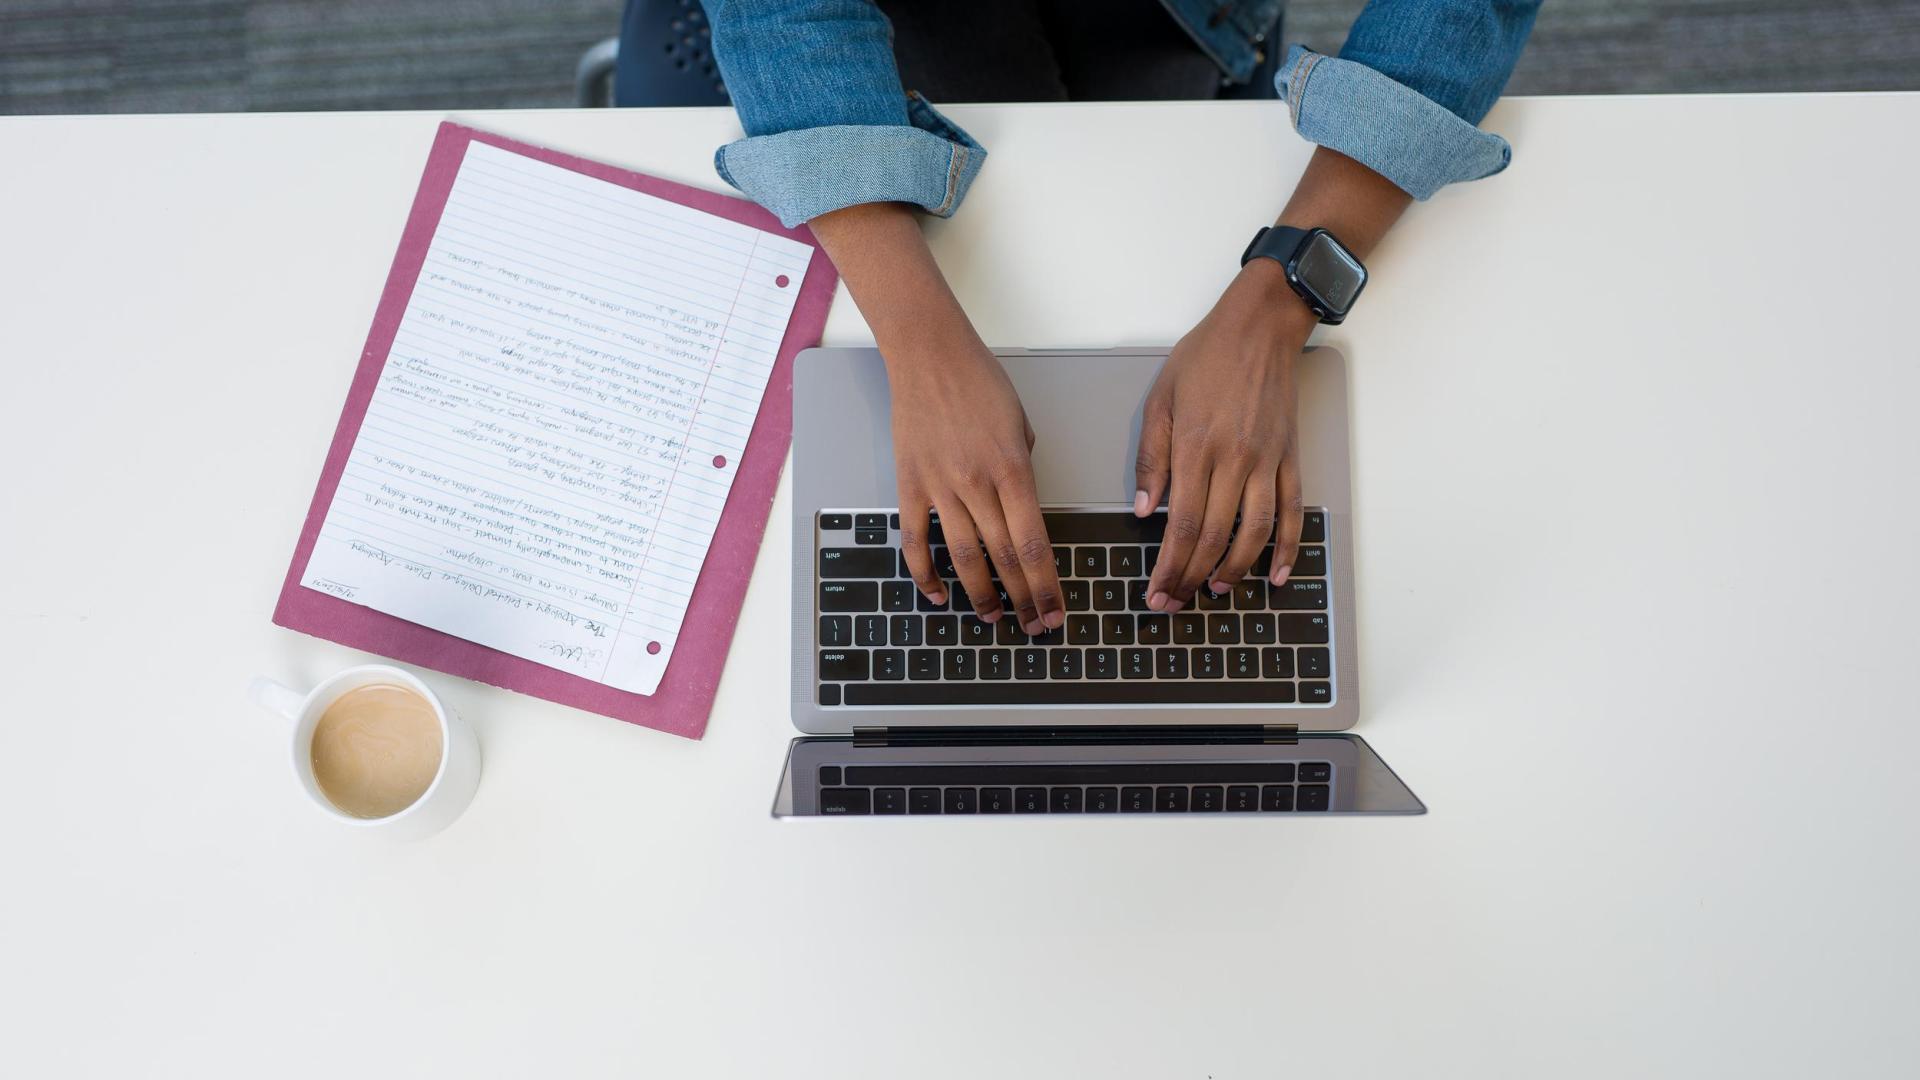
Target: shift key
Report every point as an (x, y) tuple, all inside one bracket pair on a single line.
[(872, 562)]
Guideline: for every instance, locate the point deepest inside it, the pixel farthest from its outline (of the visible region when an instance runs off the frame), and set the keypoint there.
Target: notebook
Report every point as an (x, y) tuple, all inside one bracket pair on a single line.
[(560, 449)]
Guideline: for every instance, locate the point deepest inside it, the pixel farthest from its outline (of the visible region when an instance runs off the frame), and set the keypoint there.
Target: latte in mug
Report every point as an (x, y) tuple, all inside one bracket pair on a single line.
[(376, 750)]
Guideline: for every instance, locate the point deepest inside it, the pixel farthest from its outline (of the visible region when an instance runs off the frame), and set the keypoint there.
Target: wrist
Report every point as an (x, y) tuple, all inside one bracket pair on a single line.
[(1261, 293)]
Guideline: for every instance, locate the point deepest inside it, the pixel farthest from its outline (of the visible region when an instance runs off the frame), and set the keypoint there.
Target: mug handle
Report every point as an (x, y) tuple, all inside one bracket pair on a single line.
[(275, 697)]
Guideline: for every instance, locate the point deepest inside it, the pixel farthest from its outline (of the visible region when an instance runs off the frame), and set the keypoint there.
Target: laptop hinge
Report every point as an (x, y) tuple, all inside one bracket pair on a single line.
[(1077, 734)]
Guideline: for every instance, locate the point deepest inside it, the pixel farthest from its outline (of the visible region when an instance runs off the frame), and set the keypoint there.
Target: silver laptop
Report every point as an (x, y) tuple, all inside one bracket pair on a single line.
[(1238, 705)]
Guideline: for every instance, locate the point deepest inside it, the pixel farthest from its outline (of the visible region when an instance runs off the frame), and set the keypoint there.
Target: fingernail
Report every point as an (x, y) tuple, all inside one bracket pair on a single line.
[(1034, 628), (990, 617), (1140, 505), (1157, 601), (1054, 619), (1219, 587), (938, 598), (1280, 574), (1174, 605)]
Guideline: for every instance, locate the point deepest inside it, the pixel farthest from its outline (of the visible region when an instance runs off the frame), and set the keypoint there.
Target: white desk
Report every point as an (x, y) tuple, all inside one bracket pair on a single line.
[(1637, 552)]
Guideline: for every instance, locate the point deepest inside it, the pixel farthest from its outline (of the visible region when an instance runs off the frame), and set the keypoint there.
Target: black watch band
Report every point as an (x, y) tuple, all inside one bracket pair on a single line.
[(1328, 282)]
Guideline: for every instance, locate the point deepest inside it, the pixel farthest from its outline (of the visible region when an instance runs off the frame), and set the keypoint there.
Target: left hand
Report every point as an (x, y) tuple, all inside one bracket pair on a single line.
[(1219, 427)]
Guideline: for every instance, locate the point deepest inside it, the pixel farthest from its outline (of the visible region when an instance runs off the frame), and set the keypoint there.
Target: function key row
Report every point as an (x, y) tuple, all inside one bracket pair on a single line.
[(1163, 799)]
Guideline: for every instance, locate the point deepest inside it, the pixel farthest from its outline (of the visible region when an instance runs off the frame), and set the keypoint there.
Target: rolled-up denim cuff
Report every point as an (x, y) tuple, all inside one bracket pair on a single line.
[(799, 175), (1392, 129)]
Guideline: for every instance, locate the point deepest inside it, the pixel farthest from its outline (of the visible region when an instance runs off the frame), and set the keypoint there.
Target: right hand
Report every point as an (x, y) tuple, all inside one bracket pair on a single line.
[(961, 446)]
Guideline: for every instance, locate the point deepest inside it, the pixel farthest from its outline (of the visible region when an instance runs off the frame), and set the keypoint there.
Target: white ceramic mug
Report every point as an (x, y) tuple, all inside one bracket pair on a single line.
[(444, 799)]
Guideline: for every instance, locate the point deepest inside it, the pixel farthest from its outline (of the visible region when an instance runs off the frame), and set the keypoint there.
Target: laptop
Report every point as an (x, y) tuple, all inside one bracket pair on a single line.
[(1239, 705)]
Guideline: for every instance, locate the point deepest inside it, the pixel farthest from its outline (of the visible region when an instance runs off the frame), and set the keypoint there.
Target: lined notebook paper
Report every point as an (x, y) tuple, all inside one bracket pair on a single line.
[(555, 431)]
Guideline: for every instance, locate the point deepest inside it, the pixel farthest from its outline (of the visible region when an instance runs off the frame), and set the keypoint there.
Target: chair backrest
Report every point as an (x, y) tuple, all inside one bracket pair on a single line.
[(665, 56)]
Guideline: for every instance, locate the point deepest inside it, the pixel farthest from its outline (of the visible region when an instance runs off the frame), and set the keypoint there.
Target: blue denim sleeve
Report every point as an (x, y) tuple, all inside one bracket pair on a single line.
[(827, 123), (1413, 80)]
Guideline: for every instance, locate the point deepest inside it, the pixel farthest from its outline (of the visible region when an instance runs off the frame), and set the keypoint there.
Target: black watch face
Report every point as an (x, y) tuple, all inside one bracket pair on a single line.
[(1328, 272)]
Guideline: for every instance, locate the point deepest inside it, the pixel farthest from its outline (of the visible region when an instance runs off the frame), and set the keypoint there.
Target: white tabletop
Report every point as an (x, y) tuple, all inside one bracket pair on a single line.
[(1634, 468)]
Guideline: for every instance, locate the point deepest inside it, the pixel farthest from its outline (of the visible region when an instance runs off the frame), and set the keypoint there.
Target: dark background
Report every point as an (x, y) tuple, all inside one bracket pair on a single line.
[(66, 56)]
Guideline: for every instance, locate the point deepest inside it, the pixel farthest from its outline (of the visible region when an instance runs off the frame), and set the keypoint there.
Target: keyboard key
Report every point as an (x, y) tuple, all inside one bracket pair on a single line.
[(903, 629), (1316, 693), (846, 801), (1311, 562), (889, 664), (1008, 632), (1137, 595), (1103, 664), (1170, 663), (856, 562), (890, 800), (869, 631), (848, 665), (901, 569), (1243, 798), (1257, 628), (1208, 799), (1153, 629), (1315, 797), (1189, 628), (1311, 772), (1136, 800), (830, 693), (1250, 595), (943, 630), (1065, 800), (1208, 664), (923, 665), (965, 800), (1090, 562), (1075, 595), (869, 521), (1030, 800), (975, 632), (1066, 663), (1029, 663), (996, 800), (1206, 599), (1084, 692), (1316, 664), (1050, 637), (1262, 563), (959, 664), (1063, 561), (1116, 629), (1301, 629), (893, 521), (1103, 800), (835, 522), (1109, 596), (1276, 797), (1223, 629), (1136, 663), (943, 563), (830, 776), (1314, 527), (849, 595), (923, 800), (1125, 562), (996, 664), (1243, 663), (921, 603), (1300, 596), (1170, 800), (1276, 663), (896, 595), (836, 631), (869, 536), (1083, 629)]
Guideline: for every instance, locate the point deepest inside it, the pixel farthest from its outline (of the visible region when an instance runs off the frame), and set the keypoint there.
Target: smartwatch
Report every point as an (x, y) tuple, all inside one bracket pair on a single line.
[(1320, 268)]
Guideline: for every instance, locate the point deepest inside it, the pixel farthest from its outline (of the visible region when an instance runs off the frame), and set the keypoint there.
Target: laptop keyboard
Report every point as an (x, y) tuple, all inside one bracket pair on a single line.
[(1225, 787), (882, 643)]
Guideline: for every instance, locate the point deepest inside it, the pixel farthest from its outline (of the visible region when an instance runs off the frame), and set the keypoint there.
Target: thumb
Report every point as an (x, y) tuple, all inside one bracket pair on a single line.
[(1155, 455)]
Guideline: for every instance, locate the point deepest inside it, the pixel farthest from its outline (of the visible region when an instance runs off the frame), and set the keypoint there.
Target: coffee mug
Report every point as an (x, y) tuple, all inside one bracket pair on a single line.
[(453, 780)]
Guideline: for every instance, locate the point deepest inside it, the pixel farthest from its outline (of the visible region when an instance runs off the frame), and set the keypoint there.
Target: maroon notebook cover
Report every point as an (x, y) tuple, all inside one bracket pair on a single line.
[(685, 695)]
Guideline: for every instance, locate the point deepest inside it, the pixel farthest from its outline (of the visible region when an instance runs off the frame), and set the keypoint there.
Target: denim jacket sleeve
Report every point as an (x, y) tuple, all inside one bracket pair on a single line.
[(816, 88), (1409, 87)]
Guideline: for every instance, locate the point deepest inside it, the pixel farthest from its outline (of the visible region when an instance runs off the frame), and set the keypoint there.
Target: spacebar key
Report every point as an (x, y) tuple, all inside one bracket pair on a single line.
[(872, 562), (1066, 693)]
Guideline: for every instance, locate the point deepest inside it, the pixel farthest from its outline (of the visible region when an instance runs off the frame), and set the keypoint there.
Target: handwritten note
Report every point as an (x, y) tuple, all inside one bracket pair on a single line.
[(557, 426)]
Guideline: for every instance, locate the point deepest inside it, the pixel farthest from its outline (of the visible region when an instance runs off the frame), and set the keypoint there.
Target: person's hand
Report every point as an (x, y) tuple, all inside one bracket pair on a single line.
[(1219, 429), (960, 446)]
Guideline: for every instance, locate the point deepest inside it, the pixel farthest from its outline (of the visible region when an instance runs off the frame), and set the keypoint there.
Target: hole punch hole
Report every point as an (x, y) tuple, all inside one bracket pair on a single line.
[(781, 281), (719, 461), (653, 648)]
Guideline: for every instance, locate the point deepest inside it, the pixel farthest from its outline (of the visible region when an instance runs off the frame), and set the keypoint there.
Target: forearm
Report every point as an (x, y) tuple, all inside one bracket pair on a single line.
[(884, 259), (1340, 195)]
